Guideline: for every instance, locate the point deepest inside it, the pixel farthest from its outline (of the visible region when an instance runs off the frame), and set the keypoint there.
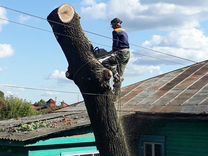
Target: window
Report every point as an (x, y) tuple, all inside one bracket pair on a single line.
[(95, 154), (152, 149), (152, 145), (90, 154)]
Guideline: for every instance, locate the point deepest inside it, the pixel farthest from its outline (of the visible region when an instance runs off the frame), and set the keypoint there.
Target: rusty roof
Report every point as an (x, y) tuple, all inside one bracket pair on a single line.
[(183, 91), (42, 126), (180, 91)]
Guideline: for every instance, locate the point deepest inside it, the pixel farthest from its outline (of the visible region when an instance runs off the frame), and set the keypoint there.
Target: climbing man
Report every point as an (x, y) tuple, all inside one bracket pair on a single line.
[(120, 52)]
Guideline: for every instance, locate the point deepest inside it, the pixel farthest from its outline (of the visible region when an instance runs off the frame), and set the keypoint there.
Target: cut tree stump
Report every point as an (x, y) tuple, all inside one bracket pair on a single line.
[(91, 78)]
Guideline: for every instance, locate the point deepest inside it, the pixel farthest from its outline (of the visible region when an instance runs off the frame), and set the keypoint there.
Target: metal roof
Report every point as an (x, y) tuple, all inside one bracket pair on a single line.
[(53, 124), (181, 91)]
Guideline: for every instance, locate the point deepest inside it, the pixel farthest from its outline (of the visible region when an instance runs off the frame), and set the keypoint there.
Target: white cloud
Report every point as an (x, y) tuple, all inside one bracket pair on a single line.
[(3, 16), (96, 10), (6, 50), (88, 2), (59, 76), (187, 43), (24, 18), (182, 3), (49, 94), (140, 15), (134, 68), (9, 93), (138, 70)]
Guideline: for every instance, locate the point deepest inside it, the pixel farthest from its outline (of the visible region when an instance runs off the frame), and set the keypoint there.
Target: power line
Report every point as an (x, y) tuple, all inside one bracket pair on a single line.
[(26, 25), (52, 90), (39, 17), (166, 54), (41, 29), (119, 110), (22, 12), (68, 92), (37, 89), (90, 32), (48, 31)]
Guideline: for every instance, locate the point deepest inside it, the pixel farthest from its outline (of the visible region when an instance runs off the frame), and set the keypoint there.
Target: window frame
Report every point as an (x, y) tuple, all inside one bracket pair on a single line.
[(153, 140), (80, 154), (153, 147)]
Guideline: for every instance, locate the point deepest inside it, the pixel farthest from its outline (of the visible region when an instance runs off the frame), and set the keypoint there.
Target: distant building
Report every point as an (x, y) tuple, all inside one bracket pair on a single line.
[(63, 104), (51, 104)]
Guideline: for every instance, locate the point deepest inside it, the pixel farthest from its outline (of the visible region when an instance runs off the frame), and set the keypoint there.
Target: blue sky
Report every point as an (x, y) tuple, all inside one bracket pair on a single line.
[(32, 58)]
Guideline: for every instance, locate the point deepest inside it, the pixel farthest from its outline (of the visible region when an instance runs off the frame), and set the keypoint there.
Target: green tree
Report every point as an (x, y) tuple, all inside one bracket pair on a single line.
[(41, 102), (2, 101), (1, 94), (14, 107)]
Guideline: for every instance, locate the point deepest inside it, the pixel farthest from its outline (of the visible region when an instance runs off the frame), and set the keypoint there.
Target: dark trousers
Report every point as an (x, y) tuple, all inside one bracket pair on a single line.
[(117, 61)]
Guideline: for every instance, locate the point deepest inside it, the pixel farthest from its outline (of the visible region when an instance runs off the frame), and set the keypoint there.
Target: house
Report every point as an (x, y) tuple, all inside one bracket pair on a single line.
[(51, 104), (48, 106), (60, 133), (165, 115), (64, 104), (168, 113)]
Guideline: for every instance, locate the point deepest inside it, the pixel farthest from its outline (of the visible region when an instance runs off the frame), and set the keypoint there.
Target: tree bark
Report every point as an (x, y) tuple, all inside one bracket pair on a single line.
[(91, 78)]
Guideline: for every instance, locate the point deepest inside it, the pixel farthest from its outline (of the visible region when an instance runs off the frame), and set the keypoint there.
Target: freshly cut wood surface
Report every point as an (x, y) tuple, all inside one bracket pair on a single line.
[(66, 13)]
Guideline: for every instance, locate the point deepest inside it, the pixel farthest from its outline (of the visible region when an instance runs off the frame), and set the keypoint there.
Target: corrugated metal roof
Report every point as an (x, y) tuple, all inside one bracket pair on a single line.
[(181, 91), (54, 123)]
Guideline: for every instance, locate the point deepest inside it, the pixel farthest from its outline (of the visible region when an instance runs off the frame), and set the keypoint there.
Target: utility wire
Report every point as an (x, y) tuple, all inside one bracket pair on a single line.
[(26, 25), (44, 30), (126, 110), (156, 51), (119, 109), (52, 90), (48, 31), (189, 60)]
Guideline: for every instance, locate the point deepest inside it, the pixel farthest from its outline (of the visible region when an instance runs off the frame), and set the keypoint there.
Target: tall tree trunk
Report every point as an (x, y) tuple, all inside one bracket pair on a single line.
[(91, 78)]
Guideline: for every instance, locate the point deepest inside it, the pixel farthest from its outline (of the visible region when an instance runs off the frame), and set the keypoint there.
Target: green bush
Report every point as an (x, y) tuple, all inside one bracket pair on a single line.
[(13, 107), (1, 94), (41, 102), (2, 102)]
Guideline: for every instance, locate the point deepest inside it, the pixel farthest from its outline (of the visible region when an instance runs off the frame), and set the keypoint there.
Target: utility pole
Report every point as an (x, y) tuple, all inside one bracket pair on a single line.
[(91, 78)]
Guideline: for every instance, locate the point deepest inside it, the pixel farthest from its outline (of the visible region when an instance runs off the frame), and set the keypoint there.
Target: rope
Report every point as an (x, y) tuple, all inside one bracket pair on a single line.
[(80, 68), (119, 91)]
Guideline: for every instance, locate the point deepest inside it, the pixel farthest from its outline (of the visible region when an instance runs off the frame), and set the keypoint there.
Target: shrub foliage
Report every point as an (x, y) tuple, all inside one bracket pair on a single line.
[(13, 107)]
